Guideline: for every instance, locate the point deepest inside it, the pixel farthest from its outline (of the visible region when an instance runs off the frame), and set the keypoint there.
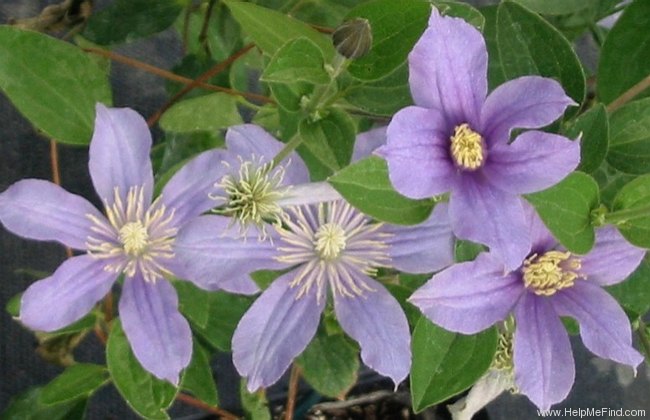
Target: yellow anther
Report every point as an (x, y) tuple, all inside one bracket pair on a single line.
[(550, 272), (467, 147), (329, 241)]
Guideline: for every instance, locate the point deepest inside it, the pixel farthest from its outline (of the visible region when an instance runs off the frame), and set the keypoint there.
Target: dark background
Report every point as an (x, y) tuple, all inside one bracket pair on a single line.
[(25, 154)]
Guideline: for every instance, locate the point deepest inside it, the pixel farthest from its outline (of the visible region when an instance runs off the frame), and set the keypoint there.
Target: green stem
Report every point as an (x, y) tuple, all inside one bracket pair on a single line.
[(288, 148), (339, 64), (617, 217)]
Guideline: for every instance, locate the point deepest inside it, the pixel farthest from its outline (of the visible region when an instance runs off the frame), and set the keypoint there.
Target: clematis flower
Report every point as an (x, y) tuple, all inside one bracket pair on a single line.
[(549, 283), (455, 139), (329, 248), (135, 238)]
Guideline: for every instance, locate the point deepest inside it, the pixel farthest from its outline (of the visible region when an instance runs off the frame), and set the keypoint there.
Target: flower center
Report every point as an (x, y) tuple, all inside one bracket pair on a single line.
[(329, 241), (134, 237), (550, 272), (251, 196), (467, 147), (331, 244)]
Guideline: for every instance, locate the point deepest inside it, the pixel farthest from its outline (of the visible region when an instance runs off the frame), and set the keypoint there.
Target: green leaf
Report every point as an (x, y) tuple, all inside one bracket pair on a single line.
[(566, 210), (396, 26), (13, 305), (28, 406), (624, 57), (634, 293), (467, 250), (298, 60), (592, 128), (270, 30), (52, 83), (462, 10), (629, 146), (213, 315), (445, 363), (382, 97), (554, 7), (205, 113), (198, 378), (610, 181), (80, 380), (634, 200), (401, 293), (128, 20), (365, 185), (145, 394), (530, 45), (255, 404), (329, 140), (330, 364), (495, 70)]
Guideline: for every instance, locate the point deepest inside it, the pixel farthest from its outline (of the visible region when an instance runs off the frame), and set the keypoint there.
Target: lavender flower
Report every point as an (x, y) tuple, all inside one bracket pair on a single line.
[(135, 238), (457, 140), (550, 282)]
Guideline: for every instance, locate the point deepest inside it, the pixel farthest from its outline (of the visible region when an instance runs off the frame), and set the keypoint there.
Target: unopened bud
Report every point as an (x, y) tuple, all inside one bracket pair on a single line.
[(353, 39)]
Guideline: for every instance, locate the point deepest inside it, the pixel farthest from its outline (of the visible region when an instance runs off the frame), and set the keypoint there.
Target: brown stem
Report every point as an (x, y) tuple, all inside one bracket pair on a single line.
[(174, 77), (101, 335), (56, 176), (200, 80), (205, 407), (322, 29), (203, 35), (629, 94), (108, 307), (293, 390)]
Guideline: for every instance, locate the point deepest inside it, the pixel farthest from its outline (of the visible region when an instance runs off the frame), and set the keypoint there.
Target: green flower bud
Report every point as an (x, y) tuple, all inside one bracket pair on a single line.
[(353, 39)]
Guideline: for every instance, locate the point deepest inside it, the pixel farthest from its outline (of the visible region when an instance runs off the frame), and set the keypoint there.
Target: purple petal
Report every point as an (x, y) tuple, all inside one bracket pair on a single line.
[(187, 192), (41, 210), (482, 213), (119, 153), (67, 295), (367, 142), (533, 162), (525, 102), (160, 337), (604, 327), (417, 152), (469, 297), (309, 193), (251, 141), (448, 70), (211, 253), (612, 259), (376, 321), (544, 367), (540, 237), (275, 330), (422, 248)]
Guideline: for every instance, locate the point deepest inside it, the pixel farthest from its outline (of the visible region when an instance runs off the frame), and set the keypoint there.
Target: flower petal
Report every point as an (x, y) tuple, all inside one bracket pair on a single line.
[(250, 141), (612, 259), (448, 70), (211, 253), (275, 330), (376, 321), (422, 248), (187, 192), (540, 237), (543, 360), (604, 327), (367, 142), (482, 213), (484, 391), (119, 153), (533, 162), (309, 193), (525, 102), (417, 152), (67, 295), (41, 210), (469, 297), (160, 337)]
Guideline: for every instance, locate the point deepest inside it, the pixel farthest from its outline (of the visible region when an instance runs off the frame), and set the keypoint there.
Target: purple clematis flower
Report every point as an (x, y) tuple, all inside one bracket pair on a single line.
[(549, 283), (327, 247), (457, 140), (135, 238)]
